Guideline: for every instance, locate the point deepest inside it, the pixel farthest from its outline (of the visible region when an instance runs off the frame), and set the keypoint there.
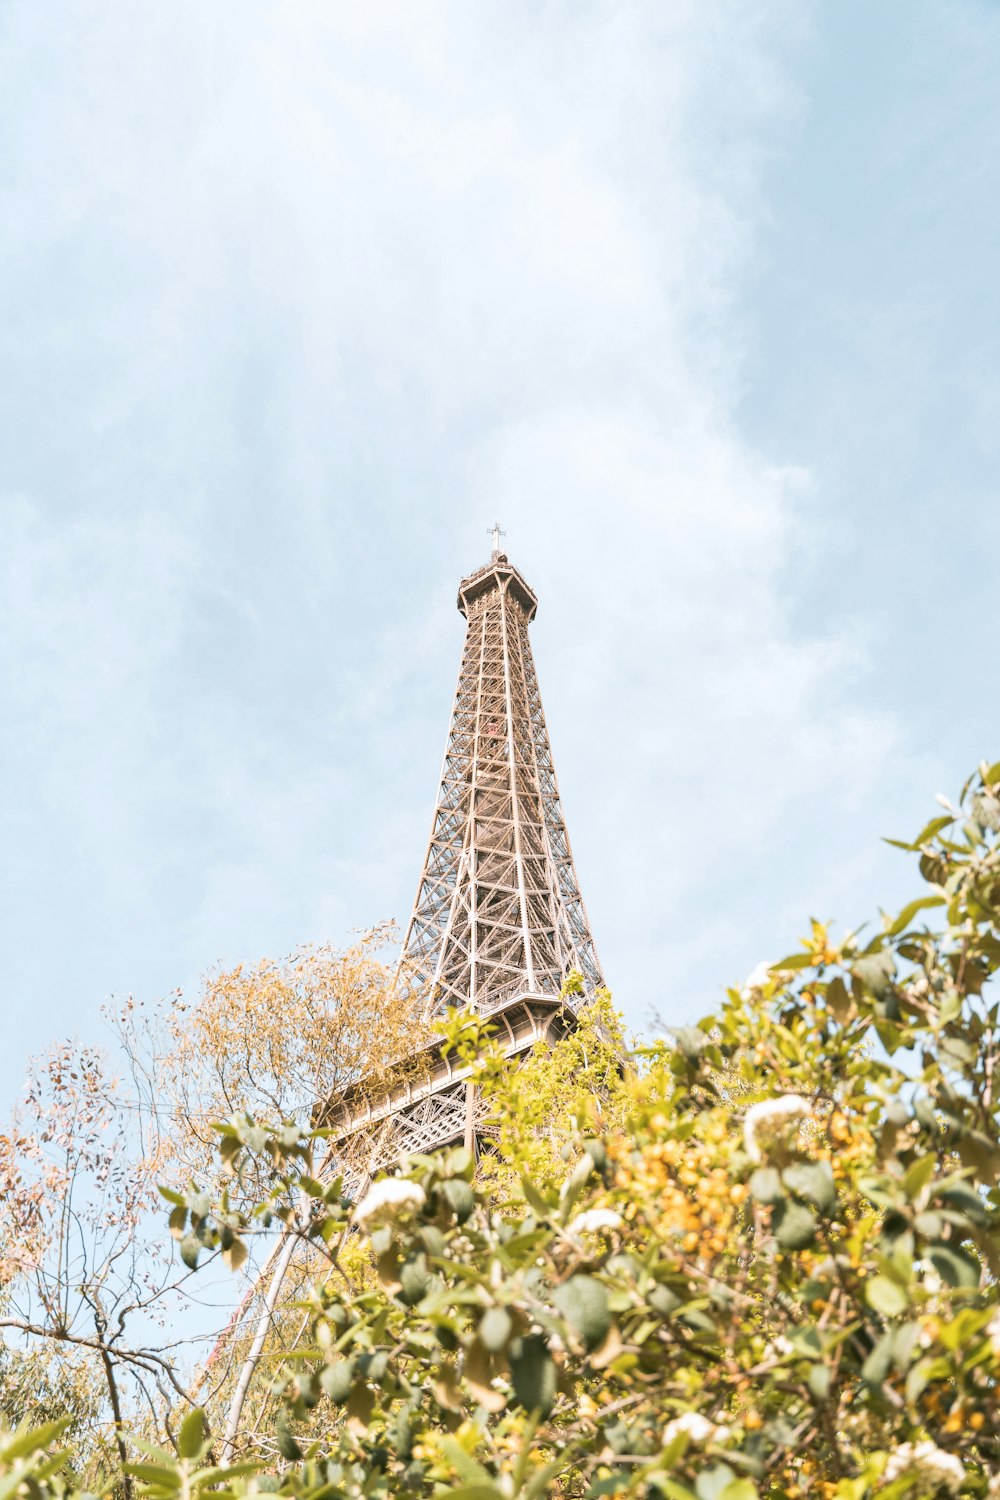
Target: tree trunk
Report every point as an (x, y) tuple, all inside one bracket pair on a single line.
[(256, 1348), (116, 1406)]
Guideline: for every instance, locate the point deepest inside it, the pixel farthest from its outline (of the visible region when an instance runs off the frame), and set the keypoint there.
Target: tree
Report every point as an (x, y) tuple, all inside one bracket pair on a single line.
[(80, 1265), (88, 1286)]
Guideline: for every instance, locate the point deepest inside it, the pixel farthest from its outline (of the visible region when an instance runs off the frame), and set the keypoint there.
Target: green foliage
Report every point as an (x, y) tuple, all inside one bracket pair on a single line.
[(163, 1475), (580, 1082), (30, 1463), (40, 1386), (765, 1266)]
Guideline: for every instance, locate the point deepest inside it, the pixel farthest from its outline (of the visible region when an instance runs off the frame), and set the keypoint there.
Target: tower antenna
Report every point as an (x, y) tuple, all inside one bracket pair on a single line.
[(495, 532)]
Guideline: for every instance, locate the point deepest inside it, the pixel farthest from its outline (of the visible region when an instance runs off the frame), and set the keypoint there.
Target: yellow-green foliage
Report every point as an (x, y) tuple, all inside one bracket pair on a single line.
[(579, 1084)]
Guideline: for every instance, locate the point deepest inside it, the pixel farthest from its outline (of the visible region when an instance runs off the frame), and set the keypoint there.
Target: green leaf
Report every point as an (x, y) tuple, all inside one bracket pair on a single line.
[(495, 1328), (471, 1492), (923, 1108), (965, 1199), (205, 1477), (157, 1474), (812, 1180), (662, 1482), (463, 1462), (460, 1197), (819, 1382), (903, 1344), (876, 1366), (287, 1446), (159, 1455), (533, 1374), (765, 1185), (875, 972), (711, 1482), (793, 961), (933, 827), (432, 1239), (189, 1248), (958, 1052), (583, 1302), (237, 1255), (909, 912), (839, 1001), (381, 1239), (534, 1199), (918, 1378), (918, 1176), (229, 1148), (598, 1153), (806, 1340), (956, 1267), (399, 1434), (192, 1434), (890, 1036), (415, 1279), (338, 1380), (664, 1301), (929, 1225), (739, 1489), (199, 1202), (795, 1225), (461, 1162), (33, 1440), (886, 1296)]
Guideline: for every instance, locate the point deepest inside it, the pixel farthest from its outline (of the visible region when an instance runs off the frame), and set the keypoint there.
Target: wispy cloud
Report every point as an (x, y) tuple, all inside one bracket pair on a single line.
[(295, 299)]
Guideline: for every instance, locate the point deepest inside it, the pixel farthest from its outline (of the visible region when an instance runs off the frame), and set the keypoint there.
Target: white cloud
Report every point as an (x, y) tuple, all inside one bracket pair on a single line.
[(304, 295)]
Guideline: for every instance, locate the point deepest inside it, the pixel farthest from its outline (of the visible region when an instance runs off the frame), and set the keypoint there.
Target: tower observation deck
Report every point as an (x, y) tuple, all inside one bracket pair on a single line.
[(498, 924)]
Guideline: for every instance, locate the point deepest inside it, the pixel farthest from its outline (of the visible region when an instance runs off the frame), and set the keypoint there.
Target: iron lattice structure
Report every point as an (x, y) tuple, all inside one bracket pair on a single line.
[(498, 912), (499, 924)]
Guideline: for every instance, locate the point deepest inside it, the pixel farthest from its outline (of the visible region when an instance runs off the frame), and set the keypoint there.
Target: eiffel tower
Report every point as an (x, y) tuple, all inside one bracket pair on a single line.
[(498, 925)]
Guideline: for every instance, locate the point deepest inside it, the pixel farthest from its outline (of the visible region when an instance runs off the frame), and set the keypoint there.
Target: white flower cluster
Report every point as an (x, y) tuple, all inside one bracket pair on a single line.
[(769, 1113), (387, 1201), (993, 1334), (698, 1428), (937, 1471), (595, 1221)]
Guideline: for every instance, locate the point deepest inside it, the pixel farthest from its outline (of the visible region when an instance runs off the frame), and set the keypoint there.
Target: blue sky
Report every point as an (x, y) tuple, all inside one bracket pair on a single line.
[(699, 298)]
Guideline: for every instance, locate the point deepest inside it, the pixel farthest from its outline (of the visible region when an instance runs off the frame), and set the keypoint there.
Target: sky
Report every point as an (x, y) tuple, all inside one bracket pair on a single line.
[(697, 297)]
